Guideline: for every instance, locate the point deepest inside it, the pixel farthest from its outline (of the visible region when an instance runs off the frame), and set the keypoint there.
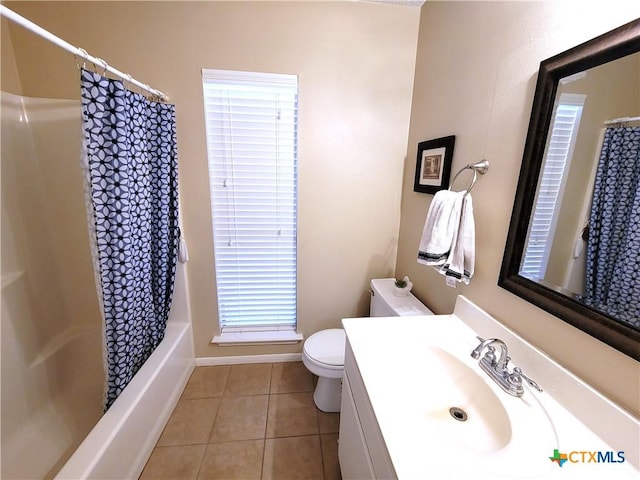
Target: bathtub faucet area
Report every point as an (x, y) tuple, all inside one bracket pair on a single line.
[(497, 369)]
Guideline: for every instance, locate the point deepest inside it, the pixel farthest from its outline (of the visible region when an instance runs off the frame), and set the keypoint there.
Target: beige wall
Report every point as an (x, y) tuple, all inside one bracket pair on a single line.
[(475, 77), (9, 80), (355, 64)]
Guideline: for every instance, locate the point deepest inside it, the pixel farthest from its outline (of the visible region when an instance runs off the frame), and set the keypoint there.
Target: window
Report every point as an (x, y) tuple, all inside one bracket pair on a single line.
[(251, 122), (563, 133)]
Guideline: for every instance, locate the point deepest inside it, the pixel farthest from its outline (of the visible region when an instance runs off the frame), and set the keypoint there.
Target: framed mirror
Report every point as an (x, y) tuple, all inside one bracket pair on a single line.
[(554, 255)]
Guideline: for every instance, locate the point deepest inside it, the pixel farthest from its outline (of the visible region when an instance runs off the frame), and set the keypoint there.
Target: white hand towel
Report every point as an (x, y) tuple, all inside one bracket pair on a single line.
[(460, 263), (440, 228)]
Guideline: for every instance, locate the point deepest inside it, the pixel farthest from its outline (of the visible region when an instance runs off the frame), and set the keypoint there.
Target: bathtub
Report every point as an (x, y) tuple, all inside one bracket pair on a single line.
[(121, 442)]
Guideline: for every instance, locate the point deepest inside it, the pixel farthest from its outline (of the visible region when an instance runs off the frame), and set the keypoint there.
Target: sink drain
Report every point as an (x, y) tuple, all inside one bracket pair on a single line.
[(458, 414)]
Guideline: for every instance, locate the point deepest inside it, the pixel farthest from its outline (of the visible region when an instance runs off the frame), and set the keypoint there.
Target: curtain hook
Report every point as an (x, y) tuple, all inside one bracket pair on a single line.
[(104, 64), (151, 92), (84, 55)]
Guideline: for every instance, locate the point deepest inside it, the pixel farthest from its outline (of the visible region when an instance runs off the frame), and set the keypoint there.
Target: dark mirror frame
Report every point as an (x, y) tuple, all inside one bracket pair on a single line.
[(615, 44)]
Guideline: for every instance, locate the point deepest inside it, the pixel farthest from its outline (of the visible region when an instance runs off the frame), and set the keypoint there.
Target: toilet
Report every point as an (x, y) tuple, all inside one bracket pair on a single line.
[(323, 352)]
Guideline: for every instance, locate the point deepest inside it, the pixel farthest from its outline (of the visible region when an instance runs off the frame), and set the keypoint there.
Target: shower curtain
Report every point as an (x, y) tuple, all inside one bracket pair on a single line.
[(130, 154), (613, 245)]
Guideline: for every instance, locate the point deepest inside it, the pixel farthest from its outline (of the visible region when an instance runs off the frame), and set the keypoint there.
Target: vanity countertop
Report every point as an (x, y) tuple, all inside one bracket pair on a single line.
[(390, 357)]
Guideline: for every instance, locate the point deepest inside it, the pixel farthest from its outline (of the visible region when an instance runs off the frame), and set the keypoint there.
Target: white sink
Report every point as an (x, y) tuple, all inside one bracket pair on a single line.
[(414, 370), (462, 408), (453, 410)]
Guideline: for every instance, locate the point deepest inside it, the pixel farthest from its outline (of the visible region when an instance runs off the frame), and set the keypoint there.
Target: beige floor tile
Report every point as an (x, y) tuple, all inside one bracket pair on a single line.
[(181, 462), (207, 382), (250, 379), (225, 406), (328, 422), (291, 377), (240, 418), (292, 458), (233, 460), (292, 414), (329, 444), (190, 422)]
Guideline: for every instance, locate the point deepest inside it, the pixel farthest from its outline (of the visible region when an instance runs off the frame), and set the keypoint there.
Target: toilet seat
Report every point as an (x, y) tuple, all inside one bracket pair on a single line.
[(326, 348)]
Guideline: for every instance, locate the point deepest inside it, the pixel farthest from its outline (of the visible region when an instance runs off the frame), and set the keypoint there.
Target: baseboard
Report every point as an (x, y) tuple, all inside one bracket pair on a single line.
[(240, 359)]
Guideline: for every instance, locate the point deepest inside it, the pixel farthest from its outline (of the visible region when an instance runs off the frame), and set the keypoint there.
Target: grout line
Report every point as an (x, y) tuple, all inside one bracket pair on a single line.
[(204, 455), (224, 387), (264, 439), (324, 473), (293, 436)]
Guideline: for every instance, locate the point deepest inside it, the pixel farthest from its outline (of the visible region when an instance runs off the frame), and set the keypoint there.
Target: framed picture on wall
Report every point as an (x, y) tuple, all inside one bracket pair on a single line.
[(433, 165)]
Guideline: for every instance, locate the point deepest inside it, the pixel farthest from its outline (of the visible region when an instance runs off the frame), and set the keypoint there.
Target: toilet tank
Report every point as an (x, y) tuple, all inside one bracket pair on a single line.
[(385, 304)]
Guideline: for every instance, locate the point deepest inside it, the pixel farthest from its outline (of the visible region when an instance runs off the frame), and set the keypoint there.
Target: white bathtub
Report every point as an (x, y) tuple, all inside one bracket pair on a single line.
[(120, 444)]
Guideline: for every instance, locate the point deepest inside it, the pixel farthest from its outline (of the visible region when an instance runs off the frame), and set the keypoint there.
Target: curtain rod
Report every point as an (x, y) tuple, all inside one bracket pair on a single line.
[(29, 25), (622, 120)]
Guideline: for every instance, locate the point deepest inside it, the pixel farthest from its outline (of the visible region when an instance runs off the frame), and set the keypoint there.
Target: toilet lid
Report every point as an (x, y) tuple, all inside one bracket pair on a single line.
[(326, 346)]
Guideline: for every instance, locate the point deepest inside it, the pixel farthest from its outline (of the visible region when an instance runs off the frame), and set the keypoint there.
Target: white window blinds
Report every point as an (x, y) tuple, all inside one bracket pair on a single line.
[(251, 121), (564, 128)]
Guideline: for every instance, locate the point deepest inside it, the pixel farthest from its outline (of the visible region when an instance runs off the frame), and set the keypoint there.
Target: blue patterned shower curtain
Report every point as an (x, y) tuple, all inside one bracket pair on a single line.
[(130, 149), (613, 245)]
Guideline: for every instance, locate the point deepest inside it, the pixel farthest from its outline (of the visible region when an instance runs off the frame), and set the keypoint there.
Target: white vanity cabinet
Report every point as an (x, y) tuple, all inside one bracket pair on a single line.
[(361, 451)]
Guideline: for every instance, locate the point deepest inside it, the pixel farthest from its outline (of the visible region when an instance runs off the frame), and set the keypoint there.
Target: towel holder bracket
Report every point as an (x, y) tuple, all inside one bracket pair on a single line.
[(480, 167)]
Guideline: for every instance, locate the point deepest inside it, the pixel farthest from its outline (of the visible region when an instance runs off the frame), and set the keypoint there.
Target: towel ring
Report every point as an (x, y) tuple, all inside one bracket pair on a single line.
[(480, 167)]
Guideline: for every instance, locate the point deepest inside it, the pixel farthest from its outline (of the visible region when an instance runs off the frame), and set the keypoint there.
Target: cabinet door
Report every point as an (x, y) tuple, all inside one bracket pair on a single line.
[(352, 449), (376, 447)]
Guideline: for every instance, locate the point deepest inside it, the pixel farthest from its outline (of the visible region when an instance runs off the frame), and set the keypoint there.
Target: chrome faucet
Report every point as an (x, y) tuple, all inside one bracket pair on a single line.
[(490, 355), (497, 369)]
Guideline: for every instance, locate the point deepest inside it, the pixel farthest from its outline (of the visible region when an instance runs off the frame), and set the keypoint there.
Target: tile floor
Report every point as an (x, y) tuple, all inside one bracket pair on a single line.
[(255, 421)]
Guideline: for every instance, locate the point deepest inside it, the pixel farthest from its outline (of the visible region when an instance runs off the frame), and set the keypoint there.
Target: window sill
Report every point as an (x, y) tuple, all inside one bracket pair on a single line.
[(257, 338)]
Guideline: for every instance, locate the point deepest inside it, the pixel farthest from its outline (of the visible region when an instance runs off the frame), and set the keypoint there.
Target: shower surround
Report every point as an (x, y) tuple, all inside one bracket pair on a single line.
[(51, 324), (52, 360)]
